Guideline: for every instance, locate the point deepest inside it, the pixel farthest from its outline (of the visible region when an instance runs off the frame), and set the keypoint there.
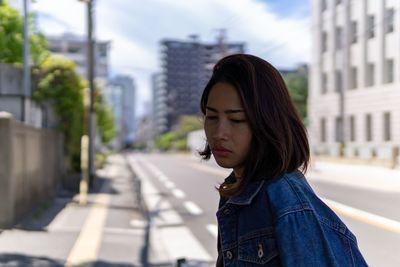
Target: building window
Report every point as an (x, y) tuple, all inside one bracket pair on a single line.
[(73, 50), (389, 20), (353, 29), (323, 130), (368, 127), (389, 71), (353, 78), (386, 127), (352, 129), (339, 38), (371, 26), (55, 49), (338, 81), (338, 129), (324, 42), (370, 75), (324, 83)]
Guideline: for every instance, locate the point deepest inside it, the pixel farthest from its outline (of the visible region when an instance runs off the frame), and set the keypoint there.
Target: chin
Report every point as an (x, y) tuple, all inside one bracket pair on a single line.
[(224, 163)]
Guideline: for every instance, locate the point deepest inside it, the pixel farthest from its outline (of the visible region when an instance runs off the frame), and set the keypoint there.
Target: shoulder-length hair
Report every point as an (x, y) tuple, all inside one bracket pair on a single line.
[(279, 139)]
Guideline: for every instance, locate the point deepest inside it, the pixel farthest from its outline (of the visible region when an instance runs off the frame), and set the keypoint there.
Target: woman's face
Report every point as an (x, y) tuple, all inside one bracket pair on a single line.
[(227, 129)]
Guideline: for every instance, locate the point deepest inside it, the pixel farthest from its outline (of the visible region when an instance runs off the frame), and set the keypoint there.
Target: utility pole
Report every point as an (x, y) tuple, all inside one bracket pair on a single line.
[(27, 74), (91, 74), (91, 118)]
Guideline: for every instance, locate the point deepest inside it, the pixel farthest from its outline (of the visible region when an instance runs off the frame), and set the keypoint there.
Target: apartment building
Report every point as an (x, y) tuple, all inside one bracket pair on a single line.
[(186, 68)]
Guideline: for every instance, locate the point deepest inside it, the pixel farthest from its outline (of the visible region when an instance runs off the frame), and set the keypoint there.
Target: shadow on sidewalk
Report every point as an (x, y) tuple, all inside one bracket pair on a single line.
[(44, 214)]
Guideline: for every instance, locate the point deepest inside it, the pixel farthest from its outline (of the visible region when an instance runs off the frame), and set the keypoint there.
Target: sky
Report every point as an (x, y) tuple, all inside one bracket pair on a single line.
[(276, 30)]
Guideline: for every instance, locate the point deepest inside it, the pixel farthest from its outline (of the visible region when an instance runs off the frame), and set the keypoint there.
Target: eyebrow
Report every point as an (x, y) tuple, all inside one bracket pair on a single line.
[(226, 111)]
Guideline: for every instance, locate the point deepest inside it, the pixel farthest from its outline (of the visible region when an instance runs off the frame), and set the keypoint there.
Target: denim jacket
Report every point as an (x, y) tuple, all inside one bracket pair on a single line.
[(283, 223)]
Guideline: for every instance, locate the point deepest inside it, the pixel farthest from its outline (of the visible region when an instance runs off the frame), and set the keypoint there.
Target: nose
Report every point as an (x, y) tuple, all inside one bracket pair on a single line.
[(221, 131)]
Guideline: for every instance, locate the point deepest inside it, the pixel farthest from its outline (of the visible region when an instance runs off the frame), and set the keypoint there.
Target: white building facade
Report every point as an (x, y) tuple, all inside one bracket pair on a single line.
[(74, 47), (355, 78)]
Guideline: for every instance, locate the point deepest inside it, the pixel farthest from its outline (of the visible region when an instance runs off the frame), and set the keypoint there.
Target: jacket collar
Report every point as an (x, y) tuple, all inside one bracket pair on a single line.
[(248, 194)]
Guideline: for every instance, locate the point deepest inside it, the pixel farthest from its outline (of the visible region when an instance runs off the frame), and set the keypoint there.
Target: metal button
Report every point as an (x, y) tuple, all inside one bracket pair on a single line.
[(229, 255), (227, 211), (260, 251)]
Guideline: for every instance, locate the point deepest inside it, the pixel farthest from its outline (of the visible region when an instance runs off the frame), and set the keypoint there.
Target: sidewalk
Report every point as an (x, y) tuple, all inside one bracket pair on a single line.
[(362, 176), (109, 231)]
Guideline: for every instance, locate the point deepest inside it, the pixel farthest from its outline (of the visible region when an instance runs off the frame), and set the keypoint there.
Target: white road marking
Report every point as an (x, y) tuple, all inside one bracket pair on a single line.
[(181, 243), (192, 208), (213, 230), (178, 193), (138, 223), (169, 184), (170, 243), (88, 243), (363, 216)]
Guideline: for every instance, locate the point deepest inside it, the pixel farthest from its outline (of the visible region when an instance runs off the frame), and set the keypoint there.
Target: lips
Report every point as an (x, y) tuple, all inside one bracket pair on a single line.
[(221, 151)]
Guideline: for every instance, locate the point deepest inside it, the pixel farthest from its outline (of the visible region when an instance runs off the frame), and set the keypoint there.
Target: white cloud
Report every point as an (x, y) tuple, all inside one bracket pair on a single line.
[(136, 27)]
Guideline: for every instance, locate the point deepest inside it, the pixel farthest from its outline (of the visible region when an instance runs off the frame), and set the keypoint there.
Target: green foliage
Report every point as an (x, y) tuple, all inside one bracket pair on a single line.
[(61, 86), (298, 88), (105, 120), (11, 38), (164, 141), (177, 139)]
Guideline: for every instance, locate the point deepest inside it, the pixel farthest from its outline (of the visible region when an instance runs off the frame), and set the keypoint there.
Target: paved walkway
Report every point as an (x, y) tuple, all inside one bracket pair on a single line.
[(109, 231), (363, 176)]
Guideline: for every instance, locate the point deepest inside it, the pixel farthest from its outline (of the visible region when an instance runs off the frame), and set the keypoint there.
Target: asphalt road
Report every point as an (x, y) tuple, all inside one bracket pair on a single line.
[(194, 181)]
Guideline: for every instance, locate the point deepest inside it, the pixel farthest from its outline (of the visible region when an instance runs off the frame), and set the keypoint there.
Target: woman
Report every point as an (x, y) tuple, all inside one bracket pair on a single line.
[(268, 214)]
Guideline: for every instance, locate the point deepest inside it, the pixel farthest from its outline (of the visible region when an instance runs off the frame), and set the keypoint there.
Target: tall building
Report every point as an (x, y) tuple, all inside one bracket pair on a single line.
[(354, 101), (120, 96), (186, 68), (74, 47), (159, 120)]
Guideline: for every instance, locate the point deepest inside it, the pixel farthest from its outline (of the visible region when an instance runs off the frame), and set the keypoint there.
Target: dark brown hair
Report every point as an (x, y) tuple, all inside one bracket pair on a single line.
[(279, 142)]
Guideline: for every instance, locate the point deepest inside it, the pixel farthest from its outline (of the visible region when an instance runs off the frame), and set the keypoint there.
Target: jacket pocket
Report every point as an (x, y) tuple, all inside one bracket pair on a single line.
[(258, 250)]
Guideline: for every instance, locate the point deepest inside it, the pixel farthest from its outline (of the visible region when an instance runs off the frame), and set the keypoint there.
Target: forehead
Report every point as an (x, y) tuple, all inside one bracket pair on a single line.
[(224, 95)]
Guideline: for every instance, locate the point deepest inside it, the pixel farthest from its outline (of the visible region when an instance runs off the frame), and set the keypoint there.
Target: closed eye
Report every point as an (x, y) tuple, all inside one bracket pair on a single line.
[(238, 121), (211, 117)]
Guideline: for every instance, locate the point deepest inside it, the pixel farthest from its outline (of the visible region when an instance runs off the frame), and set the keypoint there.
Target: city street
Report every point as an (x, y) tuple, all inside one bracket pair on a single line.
[(179, 193), (370, 209)]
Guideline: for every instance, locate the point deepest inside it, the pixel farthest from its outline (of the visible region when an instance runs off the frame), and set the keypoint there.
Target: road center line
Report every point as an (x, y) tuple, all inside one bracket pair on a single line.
[(192, 208), (178, 193), (363, 216)]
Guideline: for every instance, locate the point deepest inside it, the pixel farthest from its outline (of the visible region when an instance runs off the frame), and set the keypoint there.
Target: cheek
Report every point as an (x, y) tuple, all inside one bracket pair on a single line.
[(207, 130)]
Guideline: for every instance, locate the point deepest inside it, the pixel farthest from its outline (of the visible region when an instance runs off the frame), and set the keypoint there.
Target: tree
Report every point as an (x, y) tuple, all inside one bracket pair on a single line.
[(298, 88), (105, 120), (60, 85), (178, 139), (11, 37)]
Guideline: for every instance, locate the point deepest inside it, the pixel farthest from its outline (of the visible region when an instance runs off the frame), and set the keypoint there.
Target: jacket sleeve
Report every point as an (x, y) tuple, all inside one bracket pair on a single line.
[(303, 239)]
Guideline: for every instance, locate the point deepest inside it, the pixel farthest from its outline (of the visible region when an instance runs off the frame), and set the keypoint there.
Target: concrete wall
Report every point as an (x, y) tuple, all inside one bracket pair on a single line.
[(30, 167), (10, 80)]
